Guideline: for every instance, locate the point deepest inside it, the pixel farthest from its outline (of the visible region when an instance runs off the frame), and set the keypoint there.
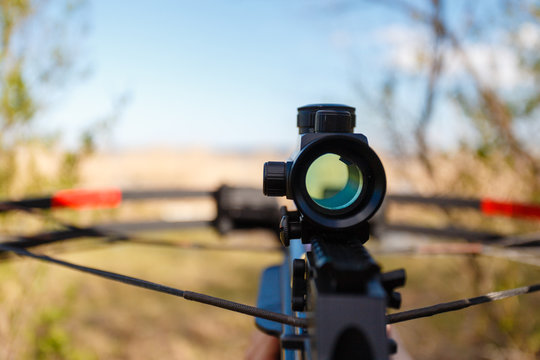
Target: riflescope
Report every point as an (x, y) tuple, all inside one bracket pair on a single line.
[(335, 179)]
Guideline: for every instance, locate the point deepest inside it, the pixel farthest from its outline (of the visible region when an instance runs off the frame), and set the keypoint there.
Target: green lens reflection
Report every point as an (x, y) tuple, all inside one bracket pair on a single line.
[(333, 182)]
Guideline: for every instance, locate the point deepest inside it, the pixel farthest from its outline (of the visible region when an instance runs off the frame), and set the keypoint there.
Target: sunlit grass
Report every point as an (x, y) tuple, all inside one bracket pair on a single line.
[(48, 312), (506, 329), (51, 312)]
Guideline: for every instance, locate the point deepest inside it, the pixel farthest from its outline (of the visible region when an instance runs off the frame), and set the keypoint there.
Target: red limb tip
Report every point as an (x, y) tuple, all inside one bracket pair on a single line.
[(492, 207), (84, 198)]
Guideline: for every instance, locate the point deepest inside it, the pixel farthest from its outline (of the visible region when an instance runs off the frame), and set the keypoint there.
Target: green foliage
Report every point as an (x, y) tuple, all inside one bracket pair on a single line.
[(35, 62), (16, 104), (52, 339)]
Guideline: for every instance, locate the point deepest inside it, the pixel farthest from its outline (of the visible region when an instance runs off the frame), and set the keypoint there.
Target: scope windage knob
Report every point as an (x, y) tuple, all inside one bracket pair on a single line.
[(275, 178)]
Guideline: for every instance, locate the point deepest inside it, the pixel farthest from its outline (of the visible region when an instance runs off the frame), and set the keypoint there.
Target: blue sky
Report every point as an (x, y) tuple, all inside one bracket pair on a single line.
[(226, 74), (211, 73)]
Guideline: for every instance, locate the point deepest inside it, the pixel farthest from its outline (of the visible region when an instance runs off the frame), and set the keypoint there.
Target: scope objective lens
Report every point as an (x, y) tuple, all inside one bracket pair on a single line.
[(334, 182)]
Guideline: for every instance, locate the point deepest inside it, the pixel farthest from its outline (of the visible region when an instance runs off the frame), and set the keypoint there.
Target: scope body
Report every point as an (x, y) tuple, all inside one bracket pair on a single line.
[(335, 179)]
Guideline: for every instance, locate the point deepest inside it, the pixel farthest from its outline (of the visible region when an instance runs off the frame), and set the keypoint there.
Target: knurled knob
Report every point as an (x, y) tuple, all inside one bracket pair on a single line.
[(275, 178), (299, 285), (333, 121)]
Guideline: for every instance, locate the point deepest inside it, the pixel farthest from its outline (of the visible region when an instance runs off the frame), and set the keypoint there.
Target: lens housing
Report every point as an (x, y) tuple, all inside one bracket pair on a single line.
[(353, 208), (343, 200)]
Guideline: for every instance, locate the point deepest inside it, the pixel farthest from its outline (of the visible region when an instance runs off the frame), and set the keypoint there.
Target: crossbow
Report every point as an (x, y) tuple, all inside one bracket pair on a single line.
[(329, 297)]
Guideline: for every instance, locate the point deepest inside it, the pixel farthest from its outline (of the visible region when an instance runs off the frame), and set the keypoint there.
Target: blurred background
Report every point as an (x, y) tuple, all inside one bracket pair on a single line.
[(140, 94)]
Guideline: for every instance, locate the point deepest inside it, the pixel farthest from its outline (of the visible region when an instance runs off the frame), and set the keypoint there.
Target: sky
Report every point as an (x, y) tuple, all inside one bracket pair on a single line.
[(230, 74)]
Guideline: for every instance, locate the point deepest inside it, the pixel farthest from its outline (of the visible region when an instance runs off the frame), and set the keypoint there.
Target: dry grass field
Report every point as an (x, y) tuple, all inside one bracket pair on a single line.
[(47, 312)]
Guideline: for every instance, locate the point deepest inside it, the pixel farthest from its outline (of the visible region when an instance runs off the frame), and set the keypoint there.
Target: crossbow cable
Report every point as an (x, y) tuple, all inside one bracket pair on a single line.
[(188, 295), (265, 314)]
